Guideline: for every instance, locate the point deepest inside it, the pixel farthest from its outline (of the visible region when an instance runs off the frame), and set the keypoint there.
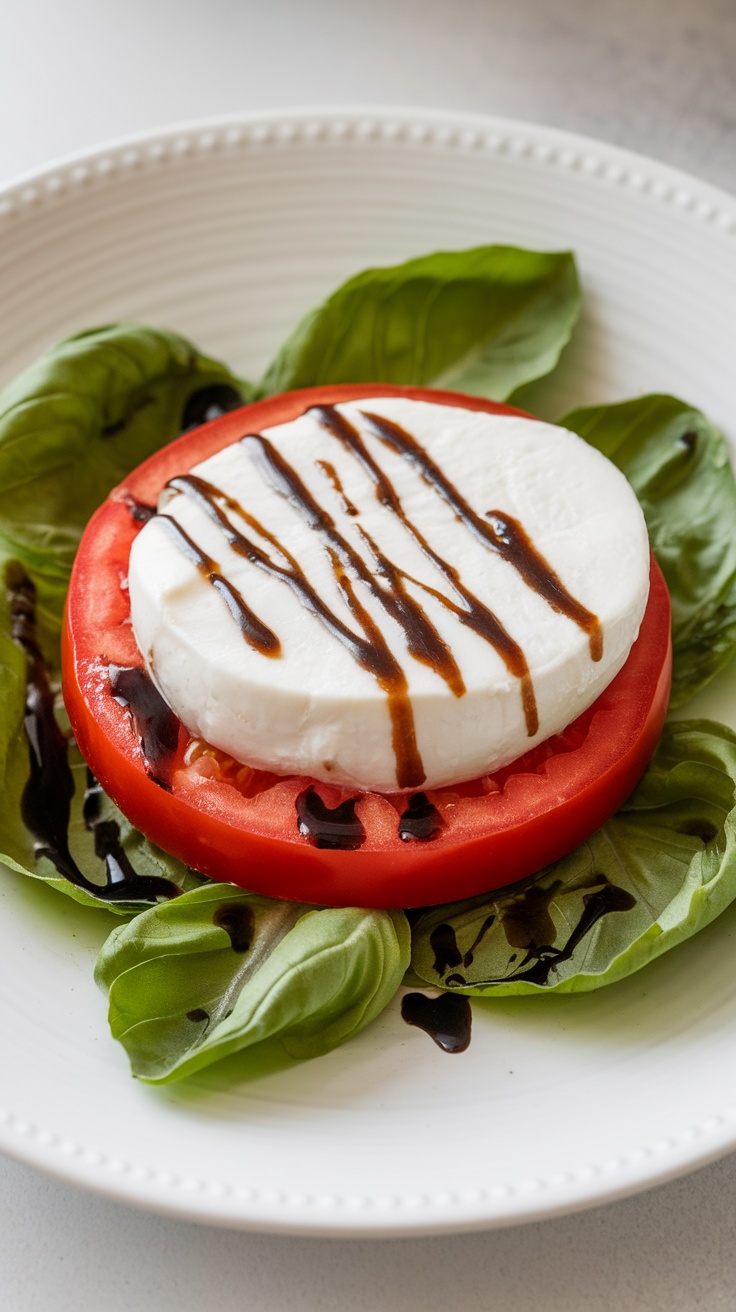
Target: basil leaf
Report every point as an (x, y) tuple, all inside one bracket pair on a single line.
[(484, 321), (679, 467), (85, 834), (73, 425), (661, 869), (219, 970)]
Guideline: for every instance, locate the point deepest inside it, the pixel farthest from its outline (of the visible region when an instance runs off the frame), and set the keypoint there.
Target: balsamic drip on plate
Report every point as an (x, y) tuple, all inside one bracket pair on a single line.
[(446, 1019), (46, 800), (528, 925), (335, 827)]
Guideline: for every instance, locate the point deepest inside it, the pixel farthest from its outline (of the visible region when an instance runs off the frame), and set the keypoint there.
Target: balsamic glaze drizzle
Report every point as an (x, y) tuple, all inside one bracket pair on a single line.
[(473, 613), (443, 942), (46, 800), (502, 534), (423, 640), (527, 924), (209, 403), (332, 475), (337, 828), (256, 633), (446, 1019), (140, 511), (386, 582), (155, 723), (122, 881), (421, 821), (369, 649), (239, 922)]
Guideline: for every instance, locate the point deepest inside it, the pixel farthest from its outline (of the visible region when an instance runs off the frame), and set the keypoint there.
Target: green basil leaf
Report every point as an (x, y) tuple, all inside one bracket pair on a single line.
[(16, 842), (484, 321), (72, 426), (219, 970), (661, 869), (679, 467)]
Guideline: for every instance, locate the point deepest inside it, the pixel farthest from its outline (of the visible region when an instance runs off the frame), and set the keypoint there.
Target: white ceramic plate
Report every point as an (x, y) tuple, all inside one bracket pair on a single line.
[(228, 231)]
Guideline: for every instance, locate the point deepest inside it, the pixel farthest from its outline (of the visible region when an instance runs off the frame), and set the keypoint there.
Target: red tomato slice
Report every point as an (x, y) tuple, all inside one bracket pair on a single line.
[(242, 825)]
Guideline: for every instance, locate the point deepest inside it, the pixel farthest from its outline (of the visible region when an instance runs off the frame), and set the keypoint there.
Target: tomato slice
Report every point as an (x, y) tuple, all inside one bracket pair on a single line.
[(242, 825)]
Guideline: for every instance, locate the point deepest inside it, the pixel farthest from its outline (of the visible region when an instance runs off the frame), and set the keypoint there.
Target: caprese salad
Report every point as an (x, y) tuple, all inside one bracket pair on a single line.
[(390, 657)]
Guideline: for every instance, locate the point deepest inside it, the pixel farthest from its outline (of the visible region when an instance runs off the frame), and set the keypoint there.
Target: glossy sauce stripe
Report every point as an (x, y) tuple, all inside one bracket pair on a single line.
[(386, 582)]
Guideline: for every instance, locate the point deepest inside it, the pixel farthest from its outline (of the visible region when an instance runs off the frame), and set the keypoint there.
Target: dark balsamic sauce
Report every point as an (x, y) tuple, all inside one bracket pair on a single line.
[(155, 723), (502, 534), (386, 582), (369, 649), (198, 1014), (239, 923), (256, 633), (209, 403), (337, 828), (420, 822), (140, 511), (331, 473), (443, 942), (528, 925), (447, 955), (423, 640), (46, 799), (539, 962), (472, 612), (120, 875), (446, 1019)]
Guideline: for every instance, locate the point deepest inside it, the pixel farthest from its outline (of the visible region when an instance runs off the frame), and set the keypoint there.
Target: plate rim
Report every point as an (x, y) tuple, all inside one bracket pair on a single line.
[(643, 1167), (494, 134)]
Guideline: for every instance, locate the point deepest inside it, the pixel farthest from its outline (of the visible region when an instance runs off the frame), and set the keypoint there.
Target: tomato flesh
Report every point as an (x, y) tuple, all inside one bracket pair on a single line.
[(237, 824)]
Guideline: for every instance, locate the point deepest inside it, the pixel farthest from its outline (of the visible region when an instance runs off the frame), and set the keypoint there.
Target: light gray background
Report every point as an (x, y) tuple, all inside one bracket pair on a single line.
[(658, 76)]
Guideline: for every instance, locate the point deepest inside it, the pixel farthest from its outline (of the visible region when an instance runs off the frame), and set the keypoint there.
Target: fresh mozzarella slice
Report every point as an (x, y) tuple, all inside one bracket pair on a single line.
[(390, 594)]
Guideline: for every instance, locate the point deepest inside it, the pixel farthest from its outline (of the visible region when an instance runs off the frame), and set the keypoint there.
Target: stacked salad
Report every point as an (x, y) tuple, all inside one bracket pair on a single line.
[(200, 969)]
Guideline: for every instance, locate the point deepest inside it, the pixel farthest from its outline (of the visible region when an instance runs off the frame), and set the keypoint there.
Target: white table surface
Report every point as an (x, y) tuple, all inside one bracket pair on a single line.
[(654, 75)]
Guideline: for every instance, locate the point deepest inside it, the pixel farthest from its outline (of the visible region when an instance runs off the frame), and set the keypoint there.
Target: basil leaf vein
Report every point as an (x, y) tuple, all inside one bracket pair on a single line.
[(219, 970)]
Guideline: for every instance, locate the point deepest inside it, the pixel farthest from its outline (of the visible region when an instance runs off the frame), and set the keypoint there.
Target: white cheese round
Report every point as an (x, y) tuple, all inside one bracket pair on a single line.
[(329, 608)]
